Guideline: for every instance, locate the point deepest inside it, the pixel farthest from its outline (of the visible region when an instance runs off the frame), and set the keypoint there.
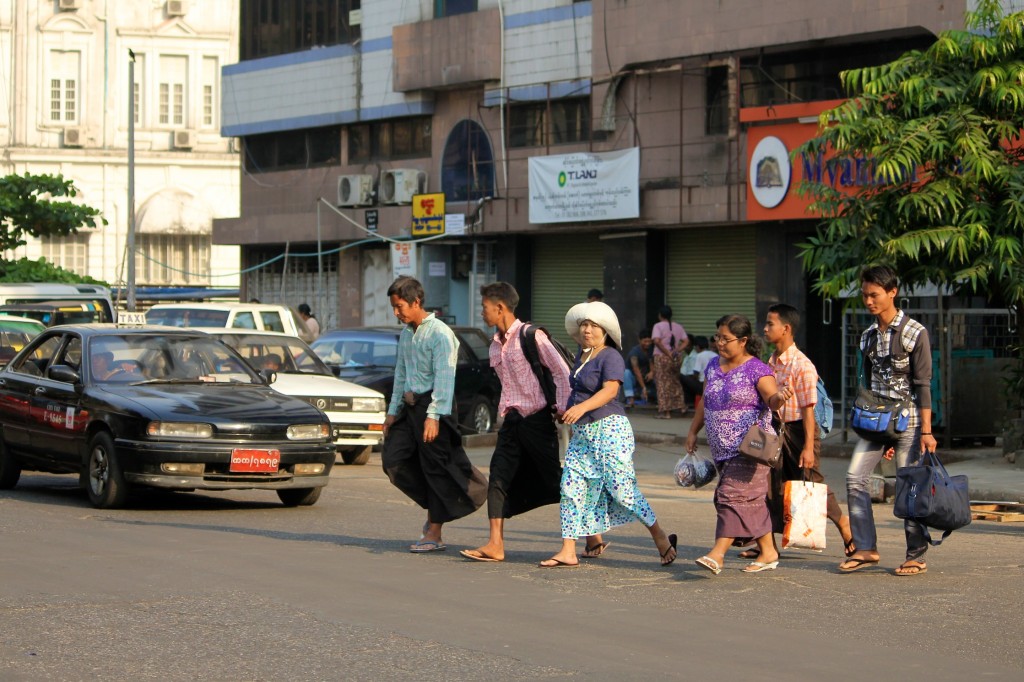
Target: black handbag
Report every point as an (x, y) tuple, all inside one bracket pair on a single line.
[(879, 419), (926, 493)]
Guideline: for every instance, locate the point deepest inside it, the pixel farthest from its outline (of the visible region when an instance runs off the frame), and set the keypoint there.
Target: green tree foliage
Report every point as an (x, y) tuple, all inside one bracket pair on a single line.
[(940, 131), (25, 270), (34, 205)]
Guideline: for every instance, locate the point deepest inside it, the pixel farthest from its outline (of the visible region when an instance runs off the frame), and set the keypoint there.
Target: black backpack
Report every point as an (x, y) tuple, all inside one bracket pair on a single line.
[(528, 342)]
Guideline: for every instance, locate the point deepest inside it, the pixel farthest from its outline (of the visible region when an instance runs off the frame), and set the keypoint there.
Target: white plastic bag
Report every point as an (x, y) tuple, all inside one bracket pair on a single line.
[(805, 514), (694, 471)]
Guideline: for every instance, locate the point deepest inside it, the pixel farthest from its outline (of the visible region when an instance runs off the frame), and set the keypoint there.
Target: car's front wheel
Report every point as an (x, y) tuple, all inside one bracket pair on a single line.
[(106, 485), (356, 455), (481, 416), (10, 468), (299, 497)]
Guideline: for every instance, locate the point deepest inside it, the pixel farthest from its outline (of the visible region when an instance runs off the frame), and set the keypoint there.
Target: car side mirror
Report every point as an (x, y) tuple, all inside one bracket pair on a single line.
[(64, 373), (269, 375)]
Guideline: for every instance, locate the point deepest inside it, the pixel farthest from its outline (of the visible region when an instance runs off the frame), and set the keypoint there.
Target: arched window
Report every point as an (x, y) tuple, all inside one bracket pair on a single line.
[(467, 167)]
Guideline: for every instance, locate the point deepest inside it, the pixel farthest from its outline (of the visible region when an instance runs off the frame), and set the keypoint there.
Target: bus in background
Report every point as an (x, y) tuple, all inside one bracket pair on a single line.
[(96, 295)]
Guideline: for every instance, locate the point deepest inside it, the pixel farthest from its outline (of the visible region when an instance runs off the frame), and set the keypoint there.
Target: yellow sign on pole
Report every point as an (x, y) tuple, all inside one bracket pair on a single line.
[(427, 215)]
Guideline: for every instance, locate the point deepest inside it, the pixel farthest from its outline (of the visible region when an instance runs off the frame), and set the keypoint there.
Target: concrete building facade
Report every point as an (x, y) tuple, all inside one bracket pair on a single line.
[(464, 94), (65, 109)]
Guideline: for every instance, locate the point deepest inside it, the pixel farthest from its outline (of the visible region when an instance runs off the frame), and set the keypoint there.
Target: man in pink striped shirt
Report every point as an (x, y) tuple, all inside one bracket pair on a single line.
[(525, 469)]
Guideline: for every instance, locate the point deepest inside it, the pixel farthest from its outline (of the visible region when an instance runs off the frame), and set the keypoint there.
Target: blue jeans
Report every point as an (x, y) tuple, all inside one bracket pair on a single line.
[(866, 455), (629, 384)]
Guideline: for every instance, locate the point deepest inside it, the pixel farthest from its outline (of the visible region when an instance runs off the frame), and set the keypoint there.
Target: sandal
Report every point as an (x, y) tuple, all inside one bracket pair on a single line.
[(750, 554), (911, 567), (665, 561), (594, 551), (849, 548)]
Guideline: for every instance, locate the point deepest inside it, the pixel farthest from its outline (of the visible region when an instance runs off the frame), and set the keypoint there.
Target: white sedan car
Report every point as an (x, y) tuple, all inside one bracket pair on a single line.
[(357, 413)]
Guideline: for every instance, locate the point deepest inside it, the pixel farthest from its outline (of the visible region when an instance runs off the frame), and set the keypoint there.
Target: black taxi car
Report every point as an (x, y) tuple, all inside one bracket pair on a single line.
[(157, 407)]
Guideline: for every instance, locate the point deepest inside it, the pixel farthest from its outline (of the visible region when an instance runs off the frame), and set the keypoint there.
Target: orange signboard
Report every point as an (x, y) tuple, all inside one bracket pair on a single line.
[(773, 175)]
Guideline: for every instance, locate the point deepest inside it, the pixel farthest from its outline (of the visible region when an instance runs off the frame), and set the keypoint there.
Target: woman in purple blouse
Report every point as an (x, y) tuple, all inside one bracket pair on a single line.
[(739, 390), (599, 488)]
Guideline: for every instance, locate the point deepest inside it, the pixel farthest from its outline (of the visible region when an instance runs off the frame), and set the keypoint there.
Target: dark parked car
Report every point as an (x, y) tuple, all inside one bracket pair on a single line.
[(159, 407), (366, 356)]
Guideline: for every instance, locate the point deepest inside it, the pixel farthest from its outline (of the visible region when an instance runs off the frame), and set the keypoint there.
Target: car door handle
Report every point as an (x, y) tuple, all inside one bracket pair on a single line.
[(40, 390)]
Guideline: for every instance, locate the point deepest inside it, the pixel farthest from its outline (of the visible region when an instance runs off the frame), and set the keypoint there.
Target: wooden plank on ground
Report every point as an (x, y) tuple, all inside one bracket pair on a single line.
[(997, 511)]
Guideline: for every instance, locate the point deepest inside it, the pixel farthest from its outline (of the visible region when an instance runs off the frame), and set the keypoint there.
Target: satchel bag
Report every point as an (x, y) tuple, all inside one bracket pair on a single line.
[(926, 493), (879, 419), (762, 446), (805, 510)]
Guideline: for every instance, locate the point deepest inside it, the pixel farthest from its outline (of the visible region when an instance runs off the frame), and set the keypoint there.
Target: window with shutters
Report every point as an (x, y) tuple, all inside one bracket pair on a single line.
[(64, 91)]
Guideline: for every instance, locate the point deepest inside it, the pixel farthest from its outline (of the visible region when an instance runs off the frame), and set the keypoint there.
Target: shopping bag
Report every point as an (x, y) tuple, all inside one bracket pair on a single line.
[(804, 512), (694, 470)]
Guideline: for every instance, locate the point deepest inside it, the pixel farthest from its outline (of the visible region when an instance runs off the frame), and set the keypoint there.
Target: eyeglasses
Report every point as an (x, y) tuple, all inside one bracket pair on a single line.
[(722, 341)]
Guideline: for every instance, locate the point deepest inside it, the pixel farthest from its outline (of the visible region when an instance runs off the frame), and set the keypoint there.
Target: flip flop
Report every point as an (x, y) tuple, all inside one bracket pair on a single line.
[(849, 548), (749, 554), (671, 547), (594, 551), (757, 566), (423, 546), (911, 568), (709, 563), (558, 564), (479, 556), (857, 565)]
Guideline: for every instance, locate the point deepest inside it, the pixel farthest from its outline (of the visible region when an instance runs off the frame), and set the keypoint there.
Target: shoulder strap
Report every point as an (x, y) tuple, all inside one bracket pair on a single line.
[(528, 343)]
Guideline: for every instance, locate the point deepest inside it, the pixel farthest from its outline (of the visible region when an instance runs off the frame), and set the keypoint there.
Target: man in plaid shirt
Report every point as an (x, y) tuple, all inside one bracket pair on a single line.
[(525, 470), (801, 446), (898, 359)]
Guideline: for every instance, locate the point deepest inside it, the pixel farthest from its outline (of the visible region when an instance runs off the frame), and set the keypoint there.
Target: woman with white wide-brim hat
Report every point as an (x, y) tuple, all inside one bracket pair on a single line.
[(599, 489)]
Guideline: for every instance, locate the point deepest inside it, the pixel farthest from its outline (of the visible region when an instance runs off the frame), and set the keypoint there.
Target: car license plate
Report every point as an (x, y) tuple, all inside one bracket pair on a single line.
[(260, 461)]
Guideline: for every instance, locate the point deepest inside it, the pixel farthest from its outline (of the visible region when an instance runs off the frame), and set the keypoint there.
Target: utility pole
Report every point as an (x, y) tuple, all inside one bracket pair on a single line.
[(130, 302)]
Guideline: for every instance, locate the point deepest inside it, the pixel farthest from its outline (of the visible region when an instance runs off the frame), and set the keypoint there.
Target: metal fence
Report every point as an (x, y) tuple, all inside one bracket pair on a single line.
[(971, 357)]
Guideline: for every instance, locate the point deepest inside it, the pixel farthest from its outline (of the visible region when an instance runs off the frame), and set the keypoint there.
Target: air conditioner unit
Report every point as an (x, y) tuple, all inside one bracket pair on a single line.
[(66, 5), (176, 8), (398, 185), (184, 139), (355, 190), (74, 137)]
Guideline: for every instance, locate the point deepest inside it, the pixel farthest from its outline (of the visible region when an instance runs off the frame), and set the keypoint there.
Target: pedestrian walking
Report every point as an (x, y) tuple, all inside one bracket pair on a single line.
[(525, 470), (422, 454), (312, 324), (599, 489), (669, 342), (739, 391), (801, 443), (897, 364)]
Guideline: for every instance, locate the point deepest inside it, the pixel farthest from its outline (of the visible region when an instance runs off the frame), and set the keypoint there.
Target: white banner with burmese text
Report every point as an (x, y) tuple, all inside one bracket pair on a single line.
[(586, 186)]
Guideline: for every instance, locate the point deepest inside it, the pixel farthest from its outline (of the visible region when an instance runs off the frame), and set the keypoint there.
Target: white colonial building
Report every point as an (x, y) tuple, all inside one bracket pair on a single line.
[(65, 102)]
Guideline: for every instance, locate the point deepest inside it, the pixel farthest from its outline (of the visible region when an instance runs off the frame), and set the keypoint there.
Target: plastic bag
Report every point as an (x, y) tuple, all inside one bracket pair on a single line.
[(804, 509), (694, 471)]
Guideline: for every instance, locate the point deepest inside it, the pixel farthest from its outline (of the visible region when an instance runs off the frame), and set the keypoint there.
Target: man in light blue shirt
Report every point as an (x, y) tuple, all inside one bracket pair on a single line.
[(423, 455)]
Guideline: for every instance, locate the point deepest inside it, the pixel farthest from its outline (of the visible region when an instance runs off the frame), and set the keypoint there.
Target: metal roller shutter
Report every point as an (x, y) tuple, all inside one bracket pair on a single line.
[(710, 273), (565, 267)]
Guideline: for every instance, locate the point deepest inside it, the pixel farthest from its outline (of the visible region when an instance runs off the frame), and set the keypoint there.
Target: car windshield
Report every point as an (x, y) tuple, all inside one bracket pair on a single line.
[(187, 317), (288, 355), (357, 351), (153, 358)]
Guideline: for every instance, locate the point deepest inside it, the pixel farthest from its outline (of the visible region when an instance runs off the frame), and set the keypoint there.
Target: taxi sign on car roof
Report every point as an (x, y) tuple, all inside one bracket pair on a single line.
[(126, 319)]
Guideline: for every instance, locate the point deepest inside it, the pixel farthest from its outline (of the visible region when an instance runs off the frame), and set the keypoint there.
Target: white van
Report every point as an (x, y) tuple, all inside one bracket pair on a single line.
[(31, 292), (267, 317)]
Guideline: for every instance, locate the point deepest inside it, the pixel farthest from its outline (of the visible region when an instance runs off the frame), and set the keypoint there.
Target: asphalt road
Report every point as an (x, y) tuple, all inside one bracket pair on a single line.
[(233, 586)]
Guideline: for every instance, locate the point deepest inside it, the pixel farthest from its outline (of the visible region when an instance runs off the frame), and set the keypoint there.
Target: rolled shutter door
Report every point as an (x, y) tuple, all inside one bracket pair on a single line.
[(710, 273), (564, 269)]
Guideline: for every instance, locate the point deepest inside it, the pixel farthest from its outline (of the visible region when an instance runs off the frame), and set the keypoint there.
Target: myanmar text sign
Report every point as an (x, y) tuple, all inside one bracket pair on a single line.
[(427, 215), (587, 186)]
